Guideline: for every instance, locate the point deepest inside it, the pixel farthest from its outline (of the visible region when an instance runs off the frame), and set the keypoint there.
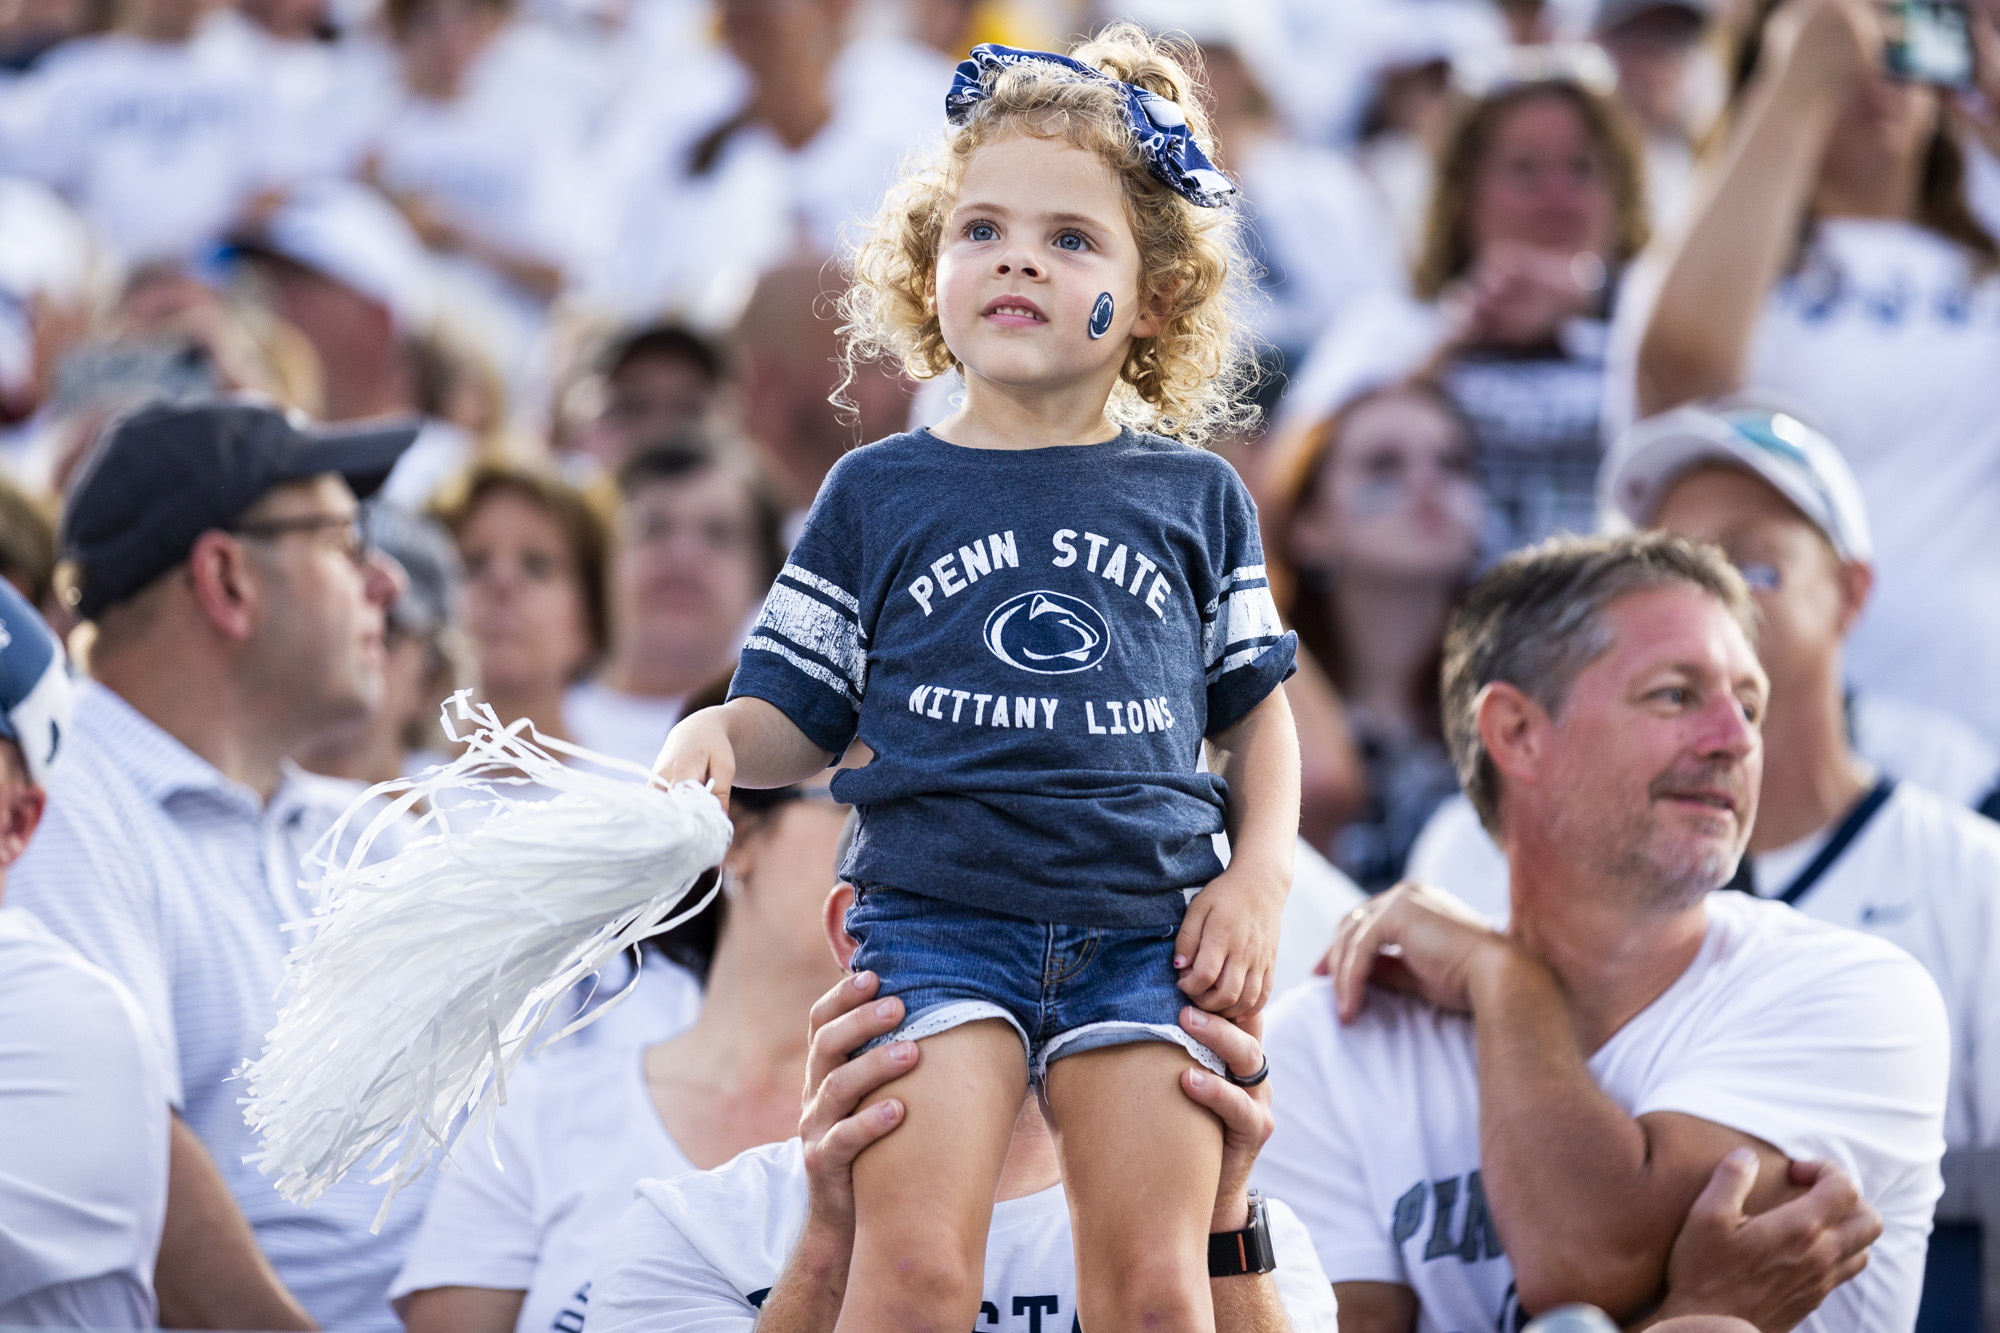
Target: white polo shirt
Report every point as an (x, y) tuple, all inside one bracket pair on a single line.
[(699, 1254), (83, 1176), (1822, 1042), (176, 880)]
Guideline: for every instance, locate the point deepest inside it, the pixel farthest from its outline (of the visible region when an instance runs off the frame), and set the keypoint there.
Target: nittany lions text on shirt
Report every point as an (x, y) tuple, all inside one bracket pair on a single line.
[(1033, 643)]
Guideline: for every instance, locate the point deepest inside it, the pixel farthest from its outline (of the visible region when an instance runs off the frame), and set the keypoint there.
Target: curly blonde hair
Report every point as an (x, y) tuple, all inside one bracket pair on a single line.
[(1186, 381)]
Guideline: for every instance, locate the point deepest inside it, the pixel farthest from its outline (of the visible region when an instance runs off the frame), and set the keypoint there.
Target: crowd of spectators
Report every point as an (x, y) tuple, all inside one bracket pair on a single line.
[(1523, 268)]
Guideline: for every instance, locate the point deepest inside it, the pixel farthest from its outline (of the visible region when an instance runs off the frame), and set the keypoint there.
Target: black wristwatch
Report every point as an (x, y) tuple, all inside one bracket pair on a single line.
[(1238, 1253)]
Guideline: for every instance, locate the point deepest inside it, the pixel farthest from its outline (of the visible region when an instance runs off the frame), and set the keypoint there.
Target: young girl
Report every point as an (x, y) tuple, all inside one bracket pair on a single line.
[(1032, 615)]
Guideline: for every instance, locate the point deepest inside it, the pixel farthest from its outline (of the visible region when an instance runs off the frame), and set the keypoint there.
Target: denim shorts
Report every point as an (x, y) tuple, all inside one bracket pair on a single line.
[(1063, 989)]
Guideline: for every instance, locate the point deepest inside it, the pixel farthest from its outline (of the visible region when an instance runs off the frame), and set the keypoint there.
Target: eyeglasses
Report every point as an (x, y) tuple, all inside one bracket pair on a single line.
[(353, 530)]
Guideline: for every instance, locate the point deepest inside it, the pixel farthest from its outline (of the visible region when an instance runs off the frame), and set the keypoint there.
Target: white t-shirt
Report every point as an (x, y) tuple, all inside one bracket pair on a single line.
[(1886, 339), (157, 144), (758, 205), (625, 726), (700, 1254), (1922, 873), (664, 1003), (1821, 1042), (1321, 895), (578, 1133), (501, 167), (83, 1178), (1937, 751), (326, 97)]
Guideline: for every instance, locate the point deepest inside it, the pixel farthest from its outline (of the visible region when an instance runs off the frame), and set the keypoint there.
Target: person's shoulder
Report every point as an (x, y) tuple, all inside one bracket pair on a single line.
[(1302, 1024), (1763, 938), (1197, 460), (1924, 745), (868, 468), (92, 790), (757, 1182), (888, 452), (32, 955), (752, 1205), (1922, 821), (82, 56), (567, 1067), (77, 1006), (1199, 474)]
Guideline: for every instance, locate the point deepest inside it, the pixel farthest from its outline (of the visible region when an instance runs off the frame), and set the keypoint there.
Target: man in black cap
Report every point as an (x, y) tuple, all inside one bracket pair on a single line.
[(238, 613)]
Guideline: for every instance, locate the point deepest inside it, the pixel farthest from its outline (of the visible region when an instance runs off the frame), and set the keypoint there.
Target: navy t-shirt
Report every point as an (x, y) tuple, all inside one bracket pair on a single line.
[(1033, 643)]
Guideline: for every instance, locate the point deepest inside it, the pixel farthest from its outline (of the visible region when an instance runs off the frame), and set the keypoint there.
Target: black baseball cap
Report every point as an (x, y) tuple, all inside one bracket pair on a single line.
[(164, 474)]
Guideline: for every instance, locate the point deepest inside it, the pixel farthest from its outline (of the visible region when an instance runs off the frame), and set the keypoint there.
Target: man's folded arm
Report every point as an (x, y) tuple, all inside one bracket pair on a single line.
[(1587, 1199), (1376, 1307)]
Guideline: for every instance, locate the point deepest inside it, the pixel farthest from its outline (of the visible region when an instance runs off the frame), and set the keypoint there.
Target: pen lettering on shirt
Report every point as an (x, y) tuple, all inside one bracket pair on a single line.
[(1034, 1307), (958, 570), (1114, 568), (1129, 717), (929, 701), (1477, 1238)]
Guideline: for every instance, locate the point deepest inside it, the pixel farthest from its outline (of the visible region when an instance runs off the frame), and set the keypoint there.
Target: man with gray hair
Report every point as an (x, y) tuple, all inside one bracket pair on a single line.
[(1477, 1126)]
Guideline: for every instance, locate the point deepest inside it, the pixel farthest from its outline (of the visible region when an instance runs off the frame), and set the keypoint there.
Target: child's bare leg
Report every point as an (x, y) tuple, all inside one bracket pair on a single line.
[(923, 1196), (1140, 1163)]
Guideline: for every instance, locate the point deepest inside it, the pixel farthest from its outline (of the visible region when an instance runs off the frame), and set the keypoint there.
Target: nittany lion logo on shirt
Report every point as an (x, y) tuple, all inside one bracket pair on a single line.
[(1048, 633)]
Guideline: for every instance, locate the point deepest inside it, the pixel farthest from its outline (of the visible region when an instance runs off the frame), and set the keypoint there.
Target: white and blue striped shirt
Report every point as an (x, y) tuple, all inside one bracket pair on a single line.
[(176, 880)]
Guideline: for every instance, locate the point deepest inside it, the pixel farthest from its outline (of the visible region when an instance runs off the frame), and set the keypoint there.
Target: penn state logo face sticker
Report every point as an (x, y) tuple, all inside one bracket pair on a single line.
[(1048, 633), (1100, 316)]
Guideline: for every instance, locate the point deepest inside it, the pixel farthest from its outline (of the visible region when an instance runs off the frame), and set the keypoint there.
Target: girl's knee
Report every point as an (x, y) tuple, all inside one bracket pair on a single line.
[(1159, 1293), (921, 1278)]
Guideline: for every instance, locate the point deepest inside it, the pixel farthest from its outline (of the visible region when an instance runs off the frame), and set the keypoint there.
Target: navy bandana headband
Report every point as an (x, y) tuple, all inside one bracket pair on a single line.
[(1160, 127)]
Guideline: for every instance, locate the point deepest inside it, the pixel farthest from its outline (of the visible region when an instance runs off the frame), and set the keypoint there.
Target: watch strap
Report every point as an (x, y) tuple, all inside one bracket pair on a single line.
[(1245, 1252)]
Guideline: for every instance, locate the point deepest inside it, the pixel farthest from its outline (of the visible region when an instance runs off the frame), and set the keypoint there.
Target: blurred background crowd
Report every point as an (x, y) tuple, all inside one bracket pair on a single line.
[(594, 244)]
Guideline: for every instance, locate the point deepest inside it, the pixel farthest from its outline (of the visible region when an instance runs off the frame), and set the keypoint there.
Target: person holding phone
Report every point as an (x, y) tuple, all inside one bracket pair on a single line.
[(1837, 265)]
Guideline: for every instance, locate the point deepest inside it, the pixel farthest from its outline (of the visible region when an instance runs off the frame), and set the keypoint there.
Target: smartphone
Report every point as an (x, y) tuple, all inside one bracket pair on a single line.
[(1928, 41)]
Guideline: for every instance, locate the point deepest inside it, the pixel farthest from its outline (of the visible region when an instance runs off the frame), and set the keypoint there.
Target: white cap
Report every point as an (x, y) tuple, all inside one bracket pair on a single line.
[(1796, 459), (348, 232)]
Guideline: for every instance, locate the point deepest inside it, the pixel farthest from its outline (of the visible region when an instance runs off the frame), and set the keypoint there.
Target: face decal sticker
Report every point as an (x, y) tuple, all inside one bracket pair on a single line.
[(1100, 316)]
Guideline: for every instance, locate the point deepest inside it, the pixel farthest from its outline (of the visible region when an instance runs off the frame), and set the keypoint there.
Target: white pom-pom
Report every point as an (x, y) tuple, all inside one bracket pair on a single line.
[(425, 977)]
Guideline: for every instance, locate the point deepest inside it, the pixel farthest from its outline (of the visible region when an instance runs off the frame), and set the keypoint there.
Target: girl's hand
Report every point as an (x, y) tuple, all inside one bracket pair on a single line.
[(699, 749), (1228, 945)]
